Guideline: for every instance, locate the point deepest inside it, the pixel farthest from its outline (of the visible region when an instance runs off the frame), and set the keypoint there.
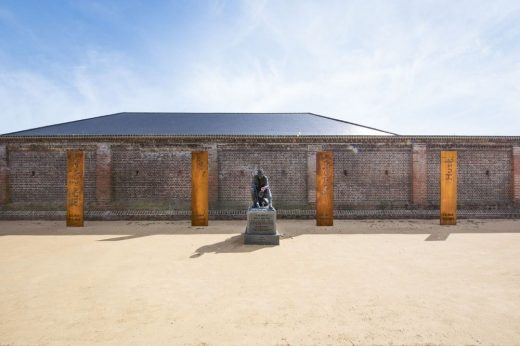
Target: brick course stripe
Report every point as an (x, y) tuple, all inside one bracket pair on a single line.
[(241, 214)]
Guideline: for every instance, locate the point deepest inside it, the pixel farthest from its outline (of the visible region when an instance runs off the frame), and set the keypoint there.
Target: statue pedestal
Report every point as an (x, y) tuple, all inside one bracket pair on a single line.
[(261, 227)]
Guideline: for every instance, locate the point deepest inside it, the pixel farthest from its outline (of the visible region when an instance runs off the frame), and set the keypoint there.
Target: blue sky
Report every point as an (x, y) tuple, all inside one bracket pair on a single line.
[(411, 67)]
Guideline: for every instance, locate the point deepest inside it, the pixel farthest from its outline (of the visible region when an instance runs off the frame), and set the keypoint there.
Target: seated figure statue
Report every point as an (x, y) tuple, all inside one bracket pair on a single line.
[(260, 191)]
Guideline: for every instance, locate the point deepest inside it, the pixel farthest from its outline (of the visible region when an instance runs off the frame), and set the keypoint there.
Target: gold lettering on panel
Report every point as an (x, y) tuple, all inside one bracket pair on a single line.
[(448, 212)]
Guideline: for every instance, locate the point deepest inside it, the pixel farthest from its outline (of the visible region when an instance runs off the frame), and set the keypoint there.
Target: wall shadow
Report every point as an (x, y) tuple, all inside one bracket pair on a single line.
[(438, 236), (289, 229), (127, 237)]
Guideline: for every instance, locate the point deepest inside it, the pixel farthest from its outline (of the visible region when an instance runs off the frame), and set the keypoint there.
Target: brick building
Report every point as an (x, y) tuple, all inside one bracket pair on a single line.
[(138, 165)]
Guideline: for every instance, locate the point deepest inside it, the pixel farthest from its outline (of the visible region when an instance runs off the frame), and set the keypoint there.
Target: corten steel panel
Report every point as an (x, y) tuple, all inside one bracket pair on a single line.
[(324, 188), (448, 188), (199, 188), (75, 187)]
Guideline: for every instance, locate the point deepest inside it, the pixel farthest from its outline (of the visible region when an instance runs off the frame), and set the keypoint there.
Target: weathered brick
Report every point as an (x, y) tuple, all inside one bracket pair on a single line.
[(103, 174), (285, 165), (484, 177), (4, 175), (419, 176), (369, 176), (311, 173), (382, 174), (516, 176), (39, 175), (148, 176), (213, 176)]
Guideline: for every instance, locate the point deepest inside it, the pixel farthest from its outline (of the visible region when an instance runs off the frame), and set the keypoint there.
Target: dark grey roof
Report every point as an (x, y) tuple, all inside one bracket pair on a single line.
[(271, 124)]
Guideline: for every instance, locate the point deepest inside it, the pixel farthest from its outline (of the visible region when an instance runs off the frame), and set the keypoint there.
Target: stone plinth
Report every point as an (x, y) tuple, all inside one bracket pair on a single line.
[(261, 227)]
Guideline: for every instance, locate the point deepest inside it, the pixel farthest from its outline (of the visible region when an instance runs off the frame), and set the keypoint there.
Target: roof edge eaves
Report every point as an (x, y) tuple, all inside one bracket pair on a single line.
[(7, 138), (58, 124)]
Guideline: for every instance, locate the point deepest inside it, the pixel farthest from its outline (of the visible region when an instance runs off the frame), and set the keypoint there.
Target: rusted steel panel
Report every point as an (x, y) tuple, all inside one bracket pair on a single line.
[(324, 188), (75, 188), (448, 213), (199, 188)]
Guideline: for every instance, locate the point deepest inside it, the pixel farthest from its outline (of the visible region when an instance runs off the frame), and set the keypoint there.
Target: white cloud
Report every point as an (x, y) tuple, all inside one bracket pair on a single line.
[(410, 68), (423, 74)]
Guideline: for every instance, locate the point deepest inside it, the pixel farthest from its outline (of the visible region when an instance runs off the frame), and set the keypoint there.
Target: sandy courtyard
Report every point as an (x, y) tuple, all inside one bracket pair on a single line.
[(166, 283)]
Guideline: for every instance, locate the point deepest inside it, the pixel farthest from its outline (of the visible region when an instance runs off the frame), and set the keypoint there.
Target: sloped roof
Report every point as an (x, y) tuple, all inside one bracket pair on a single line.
[(269, 124)]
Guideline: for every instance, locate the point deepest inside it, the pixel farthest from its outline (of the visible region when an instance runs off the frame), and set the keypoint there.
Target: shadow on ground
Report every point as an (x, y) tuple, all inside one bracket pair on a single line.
[(234, 244), (289, 229)]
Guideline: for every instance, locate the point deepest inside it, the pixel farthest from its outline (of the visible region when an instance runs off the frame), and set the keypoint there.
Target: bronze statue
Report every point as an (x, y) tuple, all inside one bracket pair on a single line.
[(260, 191)]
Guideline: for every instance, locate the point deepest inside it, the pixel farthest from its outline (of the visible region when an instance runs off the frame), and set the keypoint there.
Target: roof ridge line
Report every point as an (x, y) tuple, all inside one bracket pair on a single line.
[(213, 113), (351, 123)]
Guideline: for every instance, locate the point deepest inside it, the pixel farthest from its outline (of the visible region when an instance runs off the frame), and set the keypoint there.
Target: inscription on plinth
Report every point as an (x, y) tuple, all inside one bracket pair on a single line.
[(199, 188), (75, 188), (448, 209), (261, 220), (261, 227)]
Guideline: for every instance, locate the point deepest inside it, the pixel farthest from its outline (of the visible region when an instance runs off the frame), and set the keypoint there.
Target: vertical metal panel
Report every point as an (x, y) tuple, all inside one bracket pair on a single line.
[(324, 188), (448, 213), (75, 188), (199, 188)]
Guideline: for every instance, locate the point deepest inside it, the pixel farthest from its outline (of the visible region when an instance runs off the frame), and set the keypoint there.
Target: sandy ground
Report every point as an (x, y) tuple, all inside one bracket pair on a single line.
[(166, 283)]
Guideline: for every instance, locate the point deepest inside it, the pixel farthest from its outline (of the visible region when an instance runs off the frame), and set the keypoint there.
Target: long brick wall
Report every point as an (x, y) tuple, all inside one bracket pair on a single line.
[(484, 177), (285, 167), (151, 177), (388, 175), (38, 176), (369, 176)]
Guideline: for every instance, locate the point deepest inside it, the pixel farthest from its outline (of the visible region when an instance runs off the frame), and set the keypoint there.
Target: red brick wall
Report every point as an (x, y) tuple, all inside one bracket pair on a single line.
[(4, 176), (371, 176), (419, 175), (516, 175), (285, 165), (39, 176), (484, 177), (103, 174), (149, 174), (142, 175)]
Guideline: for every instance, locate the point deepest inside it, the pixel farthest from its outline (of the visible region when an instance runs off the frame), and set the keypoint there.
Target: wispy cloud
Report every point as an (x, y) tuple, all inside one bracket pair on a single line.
[(407, 67)]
